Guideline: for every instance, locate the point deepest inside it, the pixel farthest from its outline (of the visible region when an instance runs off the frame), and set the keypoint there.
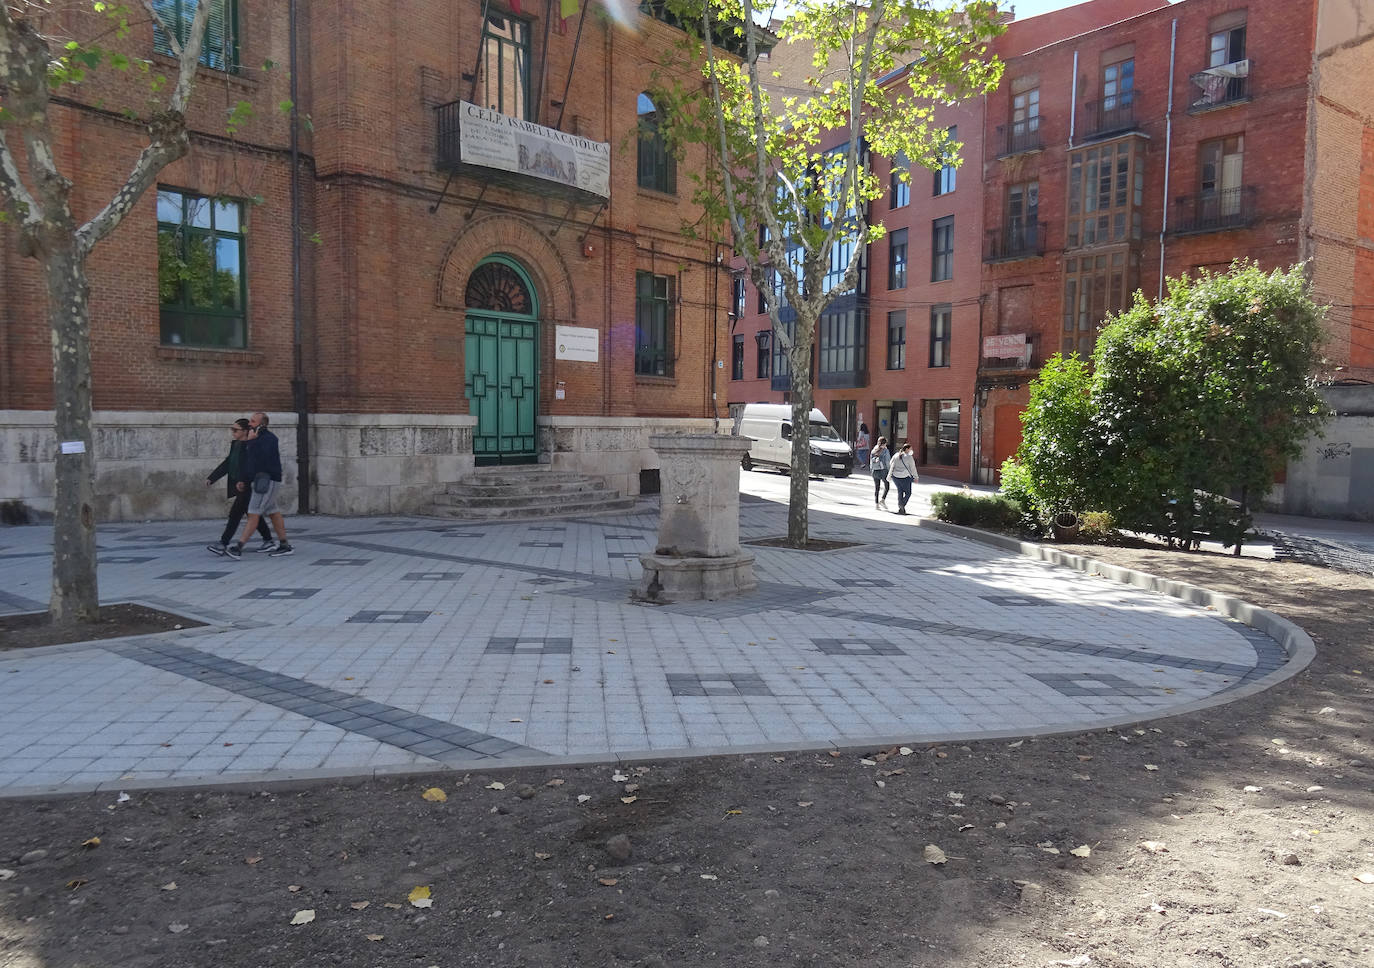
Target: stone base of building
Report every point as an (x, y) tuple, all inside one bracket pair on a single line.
[(687, 579), (151, 465)]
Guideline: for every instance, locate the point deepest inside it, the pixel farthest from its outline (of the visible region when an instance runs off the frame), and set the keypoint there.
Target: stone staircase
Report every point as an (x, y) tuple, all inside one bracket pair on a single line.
[(527, 491)]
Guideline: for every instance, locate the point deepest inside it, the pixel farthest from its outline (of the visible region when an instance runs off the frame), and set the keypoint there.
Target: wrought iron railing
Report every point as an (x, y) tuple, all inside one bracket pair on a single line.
[(449, 153), (1019, 137), (1220, 86), (1215, 211), (1110, 115), (1021, 240)]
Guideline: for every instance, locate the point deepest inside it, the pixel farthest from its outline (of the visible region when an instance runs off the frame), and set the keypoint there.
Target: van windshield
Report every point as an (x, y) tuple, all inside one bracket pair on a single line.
[(820, 430)]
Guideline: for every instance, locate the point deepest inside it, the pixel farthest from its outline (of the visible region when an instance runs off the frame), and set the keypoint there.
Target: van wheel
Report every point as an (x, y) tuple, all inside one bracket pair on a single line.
[(746, 463)]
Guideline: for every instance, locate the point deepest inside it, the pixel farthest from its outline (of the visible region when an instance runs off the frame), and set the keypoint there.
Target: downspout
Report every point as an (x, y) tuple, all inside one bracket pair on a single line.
[(713, 315), (976, 430), (1073, 99), (299, 386), (1168, 145)]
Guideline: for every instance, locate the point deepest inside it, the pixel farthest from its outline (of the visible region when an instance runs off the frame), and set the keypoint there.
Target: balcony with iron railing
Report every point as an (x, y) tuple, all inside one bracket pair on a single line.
[(1015, 240), (1221, 86), (1019, 137), (1010, 352), (1112, 115), (1233, 208)]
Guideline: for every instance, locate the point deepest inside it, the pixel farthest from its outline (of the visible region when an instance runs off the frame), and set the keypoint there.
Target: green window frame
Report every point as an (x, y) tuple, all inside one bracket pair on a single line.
[(657, 166), (202, 285), (653, 325), (220, 50), (504, 75)]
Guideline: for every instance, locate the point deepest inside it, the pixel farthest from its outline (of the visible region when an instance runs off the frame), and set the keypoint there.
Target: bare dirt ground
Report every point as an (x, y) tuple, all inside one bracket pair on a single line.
[(1234, 837)]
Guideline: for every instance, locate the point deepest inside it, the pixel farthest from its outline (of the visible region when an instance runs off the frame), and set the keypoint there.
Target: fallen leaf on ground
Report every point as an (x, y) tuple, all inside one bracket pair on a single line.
[(1082, 851), (304, 917), (91, 843), (76, 882), (835, 753), (1314, 789), (1153, 846), (293, 888), (392, 904), (1253, 789), (555, 782), (1151, 767), (906, 751), (170, 886), (933, 855), (176, 927), (709, 877), (495, 785), (607, 881), (805, 803), (1271, 912), (359, 905), (515, 720), (540, 855), (628, 799), (583, 797), (250, 861), (419, 897), (1078, 962), (1364, 877), (434, 795), (1012, 746), (374, 937), (868, 762), (1084, 757), (1157, 908), (618, 777)]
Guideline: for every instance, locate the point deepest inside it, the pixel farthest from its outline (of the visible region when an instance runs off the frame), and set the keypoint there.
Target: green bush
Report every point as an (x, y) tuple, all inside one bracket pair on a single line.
[(1018, 486), (977, 511), (1096, 526)]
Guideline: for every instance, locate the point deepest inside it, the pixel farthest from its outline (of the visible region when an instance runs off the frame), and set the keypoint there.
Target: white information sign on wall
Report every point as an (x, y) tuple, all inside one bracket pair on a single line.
[(577, 343), (493, 140)]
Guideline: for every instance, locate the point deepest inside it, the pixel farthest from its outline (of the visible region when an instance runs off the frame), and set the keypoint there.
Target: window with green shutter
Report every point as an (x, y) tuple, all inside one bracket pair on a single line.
[(220, 50)]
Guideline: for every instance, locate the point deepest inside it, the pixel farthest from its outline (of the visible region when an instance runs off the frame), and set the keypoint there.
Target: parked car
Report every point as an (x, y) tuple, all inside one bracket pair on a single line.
[(769, 426)]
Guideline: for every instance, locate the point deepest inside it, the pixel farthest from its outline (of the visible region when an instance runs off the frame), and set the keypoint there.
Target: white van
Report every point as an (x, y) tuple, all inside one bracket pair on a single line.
[(769, 426)]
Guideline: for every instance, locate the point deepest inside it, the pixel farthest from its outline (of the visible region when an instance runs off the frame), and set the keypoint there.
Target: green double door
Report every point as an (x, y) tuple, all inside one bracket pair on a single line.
[(501, 381), (501, 366)]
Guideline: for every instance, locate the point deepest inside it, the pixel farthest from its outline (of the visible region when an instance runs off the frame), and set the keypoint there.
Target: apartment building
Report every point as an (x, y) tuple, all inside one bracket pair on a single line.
[(489, 267), (1177, 140), (902, 354)]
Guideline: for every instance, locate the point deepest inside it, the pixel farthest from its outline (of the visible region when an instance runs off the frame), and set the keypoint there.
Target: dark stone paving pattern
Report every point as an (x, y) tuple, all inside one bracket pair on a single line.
[(438, 740), (1270, 654)]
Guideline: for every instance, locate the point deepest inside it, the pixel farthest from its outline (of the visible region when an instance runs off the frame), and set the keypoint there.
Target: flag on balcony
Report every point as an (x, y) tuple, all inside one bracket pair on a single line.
[(567, 8), (516, 9)]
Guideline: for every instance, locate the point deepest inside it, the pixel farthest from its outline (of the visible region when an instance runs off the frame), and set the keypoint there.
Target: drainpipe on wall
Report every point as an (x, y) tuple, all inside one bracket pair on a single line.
[(299, 386), (1073, 99), (976, 430), (1168, 145)]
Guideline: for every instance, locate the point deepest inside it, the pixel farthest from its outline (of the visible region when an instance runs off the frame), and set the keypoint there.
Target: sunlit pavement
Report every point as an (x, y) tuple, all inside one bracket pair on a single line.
[(407, 643)]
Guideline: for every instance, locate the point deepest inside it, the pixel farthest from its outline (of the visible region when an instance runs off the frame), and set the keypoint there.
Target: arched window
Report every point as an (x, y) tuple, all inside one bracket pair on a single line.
[(657, 166), (498, 287)]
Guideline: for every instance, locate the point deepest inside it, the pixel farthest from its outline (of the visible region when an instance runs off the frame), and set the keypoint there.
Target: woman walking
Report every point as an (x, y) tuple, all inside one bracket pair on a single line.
[(904, 474), (862, 445), (230, 468), (878, 462)]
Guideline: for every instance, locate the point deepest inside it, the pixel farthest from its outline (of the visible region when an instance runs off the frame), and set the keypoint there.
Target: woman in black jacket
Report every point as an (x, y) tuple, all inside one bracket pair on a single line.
[(230, 468)]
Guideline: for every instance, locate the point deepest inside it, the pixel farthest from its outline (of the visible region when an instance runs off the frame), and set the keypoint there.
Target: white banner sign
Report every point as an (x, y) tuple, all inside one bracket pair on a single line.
[(578, 343), (492, 140), (1004, 346)]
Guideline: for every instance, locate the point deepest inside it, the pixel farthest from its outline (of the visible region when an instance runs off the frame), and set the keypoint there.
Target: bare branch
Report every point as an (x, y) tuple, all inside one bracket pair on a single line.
[(172, 38), (15, 199), (168, 140)]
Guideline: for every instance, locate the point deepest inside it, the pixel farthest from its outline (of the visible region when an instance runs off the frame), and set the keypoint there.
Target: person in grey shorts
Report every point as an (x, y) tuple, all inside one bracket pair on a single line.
[(261, 474)]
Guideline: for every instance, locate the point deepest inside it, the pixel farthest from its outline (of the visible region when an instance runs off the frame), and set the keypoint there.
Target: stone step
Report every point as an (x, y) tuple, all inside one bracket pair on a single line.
[(534, 486), (567, 507), (531, 498)]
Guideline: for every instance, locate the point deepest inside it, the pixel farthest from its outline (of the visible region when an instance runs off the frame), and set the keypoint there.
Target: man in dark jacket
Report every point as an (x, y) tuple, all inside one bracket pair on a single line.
[(261, 477), (231, 469)]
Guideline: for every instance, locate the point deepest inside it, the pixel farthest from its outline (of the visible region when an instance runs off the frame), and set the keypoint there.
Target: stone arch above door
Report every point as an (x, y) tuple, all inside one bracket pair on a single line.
[(514, 237)]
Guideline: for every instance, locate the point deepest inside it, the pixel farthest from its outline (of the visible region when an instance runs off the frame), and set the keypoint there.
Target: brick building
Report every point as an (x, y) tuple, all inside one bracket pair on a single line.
[(908, 368), (491, 268), (1177, 139)]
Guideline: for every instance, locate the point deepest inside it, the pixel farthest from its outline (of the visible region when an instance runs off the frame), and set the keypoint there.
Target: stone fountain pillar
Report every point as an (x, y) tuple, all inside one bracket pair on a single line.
[(698, 554)]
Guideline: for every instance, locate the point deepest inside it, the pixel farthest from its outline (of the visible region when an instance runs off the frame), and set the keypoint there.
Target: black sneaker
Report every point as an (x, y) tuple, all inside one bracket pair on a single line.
[(282, 550), (234, 551), (268, 544), (216, 549)]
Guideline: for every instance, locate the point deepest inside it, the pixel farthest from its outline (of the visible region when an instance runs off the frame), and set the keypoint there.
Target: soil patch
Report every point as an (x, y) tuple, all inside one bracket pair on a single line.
[(1229, 838), (33, 629)]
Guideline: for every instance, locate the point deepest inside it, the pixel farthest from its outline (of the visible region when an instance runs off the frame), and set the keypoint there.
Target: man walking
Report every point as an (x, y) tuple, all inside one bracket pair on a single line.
[(262, 475)]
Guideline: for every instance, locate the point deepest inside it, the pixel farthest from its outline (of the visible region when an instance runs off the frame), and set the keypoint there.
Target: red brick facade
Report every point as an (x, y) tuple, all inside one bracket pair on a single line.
[(385, 269)]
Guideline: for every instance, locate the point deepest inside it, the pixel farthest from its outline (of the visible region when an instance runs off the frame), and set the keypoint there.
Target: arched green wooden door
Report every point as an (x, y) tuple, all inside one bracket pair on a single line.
[(501, 367)]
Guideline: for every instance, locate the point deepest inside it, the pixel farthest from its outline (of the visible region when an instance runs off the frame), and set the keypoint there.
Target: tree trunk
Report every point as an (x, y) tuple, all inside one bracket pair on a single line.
[(75, 595), (799, 498)]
